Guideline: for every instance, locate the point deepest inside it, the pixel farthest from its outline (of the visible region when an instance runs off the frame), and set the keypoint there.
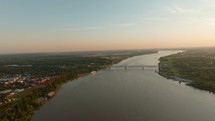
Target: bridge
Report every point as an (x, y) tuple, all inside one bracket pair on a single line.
[(126, 67)]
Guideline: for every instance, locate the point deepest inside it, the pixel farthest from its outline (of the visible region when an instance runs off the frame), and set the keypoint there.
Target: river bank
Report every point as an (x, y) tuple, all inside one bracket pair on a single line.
[(61, 69), (194, 67)]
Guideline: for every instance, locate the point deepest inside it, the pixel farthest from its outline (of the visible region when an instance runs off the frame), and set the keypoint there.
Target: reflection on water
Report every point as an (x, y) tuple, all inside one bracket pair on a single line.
[(129, 95)]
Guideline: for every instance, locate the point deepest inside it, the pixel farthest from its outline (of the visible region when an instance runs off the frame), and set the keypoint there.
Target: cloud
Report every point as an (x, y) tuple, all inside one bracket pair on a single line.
[(123, 25), (201, 21), (149, 20), (210, 21), (81, 29), (96, 27), (177, 9), (117, 25), (209, 3)]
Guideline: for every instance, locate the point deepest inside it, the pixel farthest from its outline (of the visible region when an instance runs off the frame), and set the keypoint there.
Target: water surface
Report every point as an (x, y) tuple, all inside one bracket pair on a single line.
[(129, 95)]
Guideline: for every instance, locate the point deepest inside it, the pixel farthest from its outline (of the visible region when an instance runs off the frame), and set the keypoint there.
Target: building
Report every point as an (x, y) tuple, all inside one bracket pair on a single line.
[(51, 94), (42, 81), (5, 91), (93, 72)]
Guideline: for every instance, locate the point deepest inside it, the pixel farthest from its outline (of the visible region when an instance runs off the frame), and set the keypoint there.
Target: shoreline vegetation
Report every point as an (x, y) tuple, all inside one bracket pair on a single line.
[(194, 67), (43, 77)]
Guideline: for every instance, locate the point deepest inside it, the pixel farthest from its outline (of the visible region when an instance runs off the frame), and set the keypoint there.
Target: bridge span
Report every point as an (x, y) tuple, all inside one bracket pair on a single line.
[(126, 67)]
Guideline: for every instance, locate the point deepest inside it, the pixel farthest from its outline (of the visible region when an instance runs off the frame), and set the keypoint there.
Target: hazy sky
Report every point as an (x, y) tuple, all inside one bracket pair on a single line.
[(73, 25)]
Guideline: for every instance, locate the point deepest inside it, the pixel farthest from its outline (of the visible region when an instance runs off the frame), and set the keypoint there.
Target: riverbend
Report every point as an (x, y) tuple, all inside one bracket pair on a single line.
[(129, 95)]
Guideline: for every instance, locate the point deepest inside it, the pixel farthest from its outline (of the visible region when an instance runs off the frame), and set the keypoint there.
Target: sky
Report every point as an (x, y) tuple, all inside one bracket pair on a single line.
[(81, 25)]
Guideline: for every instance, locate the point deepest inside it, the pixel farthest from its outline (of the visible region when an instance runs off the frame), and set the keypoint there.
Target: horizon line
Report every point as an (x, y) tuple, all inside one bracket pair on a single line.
[(79, 51)]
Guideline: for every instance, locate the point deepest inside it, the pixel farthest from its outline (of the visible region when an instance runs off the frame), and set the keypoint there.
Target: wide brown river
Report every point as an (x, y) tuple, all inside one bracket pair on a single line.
[(129, 95)]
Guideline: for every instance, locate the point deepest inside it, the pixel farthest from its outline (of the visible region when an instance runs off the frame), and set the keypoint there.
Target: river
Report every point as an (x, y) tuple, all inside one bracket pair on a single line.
[(129, 95)]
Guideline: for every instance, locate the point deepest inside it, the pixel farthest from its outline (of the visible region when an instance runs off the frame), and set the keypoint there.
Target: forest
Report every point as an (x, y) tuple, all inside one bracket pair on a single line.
[(194, 66)]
